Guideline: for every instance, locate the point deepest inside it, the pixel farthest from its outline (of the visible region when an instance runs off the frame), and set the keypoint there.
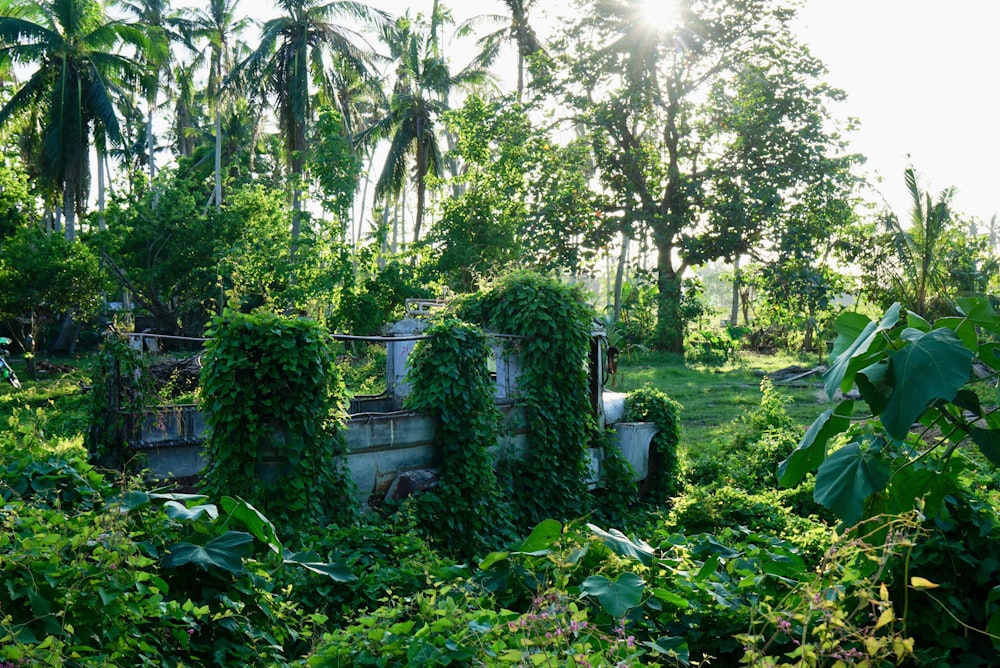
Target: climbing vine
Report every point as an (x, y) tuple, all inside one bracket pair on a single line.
[(122, 389), (648, 404), (466, 511), (275, 410), (553, 323)]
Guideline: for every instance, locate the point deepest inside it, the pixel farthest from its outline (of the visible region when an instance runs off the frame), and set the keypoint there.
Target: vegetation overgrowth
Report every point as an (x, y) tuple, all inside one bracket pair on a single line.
[(730, 568), (687, 175)]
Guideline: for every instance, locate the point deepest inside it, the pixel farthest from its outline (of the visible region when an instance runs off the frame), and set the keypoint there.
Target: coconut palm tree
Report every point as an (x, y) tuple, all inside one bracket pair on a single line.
[(420, 94), (217, 25), (165, 27), (74, 50), (919, 247), (514, 28), (298, 51)]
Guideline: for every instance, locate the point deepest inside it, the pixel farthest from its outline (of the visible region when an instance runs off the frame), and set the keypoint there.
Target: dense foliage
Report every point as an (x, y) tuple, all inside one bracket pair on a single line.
[(551, 324), (450, 378), (275, 406)]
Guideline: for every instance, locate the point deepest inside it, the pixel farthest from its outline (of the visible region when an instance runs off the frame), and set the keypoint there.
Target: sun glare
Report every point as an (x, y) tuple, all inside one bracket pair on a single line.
[(661, 14)]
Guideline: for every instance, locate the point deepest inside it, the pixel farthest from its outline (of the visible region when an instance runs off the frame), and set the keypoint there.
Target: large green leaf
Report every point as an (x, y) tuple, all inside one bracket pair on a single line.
[(848, 477), (542, 538), (675, 647), (934, 366), (811, 450), (874, 385), (865, 349), (988, 441), (311, 561), (225, 552), (849, 326), (624, 546), (180, 512), (261, 527), (981, 312), (616, 596)]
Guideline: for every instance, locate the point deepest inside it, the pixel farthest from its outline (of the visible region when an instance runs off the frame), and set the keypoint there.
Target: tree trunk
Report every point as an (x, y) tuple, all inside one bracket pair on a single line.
[(69, 209), (102, 222), (150, 142), (620, 278), (669, 320), (218, 159), (734, 311)]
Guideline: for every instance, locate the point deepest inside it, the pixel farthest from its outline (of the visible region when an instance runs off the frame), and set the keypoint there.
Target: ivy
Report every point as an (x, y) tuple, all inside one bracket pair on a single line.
[(648, 404), (275, 409), (122, 390), (554, 323), (451, 382)]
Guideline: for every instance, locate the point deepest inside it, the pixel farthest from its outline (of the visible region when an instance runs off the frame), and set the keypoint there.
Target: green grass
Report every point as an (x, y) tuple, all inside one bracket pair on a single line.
[(714, 396), (63, 398)]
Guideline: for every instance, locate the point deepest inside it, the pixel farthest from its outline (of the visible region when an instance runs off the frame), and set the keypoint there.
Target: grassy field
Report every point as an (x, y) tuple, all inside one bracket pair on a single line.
[(714, 396)]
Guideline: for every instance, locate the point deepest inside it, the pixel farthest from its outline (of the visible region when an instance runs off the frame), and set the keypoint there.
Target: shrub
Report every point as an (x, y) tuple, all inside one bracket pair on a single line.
[(712, 509)]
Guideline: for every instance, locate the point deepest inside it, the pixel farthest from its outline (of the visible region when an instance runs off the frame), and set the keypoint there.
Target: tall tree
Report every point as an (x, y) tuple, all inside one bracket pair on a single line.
[(420, 94), (74, 48), (515, 28), (217, 25), (705, 126), (164, 27), (297, 51)]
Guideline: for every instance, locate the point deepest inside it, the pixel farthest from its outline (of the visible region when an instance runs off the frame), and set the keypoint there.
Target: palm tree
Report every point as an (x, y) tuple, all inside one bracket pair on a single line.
[(296, 55), (918, 248), (165, 28), (514, 28), (73, 47), (420, 95), (217, 24)]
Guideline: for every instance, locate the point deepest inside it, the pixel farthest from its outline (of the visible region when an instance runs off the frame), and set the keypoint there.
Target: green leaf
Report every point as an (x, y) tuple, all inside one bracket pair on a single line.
[(225, 552), (616, 596), (914, 321), (182, 513), (988, 441), (847, 478), (933, 366), (542, 538), (624, 546), (310, 561), (261, 527), (980, 312), (811, 450), (874, 386), (861, 352), (674, 646), (492, 558), (910, 483), (670, 597), (849, 326)]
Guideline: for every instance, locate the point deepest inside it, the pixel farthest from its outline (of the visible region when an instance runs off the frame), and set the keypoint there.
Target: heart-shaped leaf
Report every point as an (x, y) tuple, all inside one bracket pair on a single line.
[(625, 546), (848, 477), (225, 552), (616, 596), (261, 527), (934, 366), (811, 450)]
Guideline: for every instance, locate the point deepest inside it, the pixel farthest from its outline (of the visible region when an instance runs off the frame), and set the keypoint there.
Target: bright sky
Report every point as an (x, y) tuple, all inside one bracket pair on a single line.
[(918, 75)]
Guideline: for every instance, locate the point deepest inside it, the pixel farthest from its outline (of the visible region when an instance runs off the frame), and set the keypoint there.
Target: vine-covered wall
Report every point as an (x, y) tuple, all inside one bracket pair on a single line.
[(275, 409), (555, 322), (451, 382)]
